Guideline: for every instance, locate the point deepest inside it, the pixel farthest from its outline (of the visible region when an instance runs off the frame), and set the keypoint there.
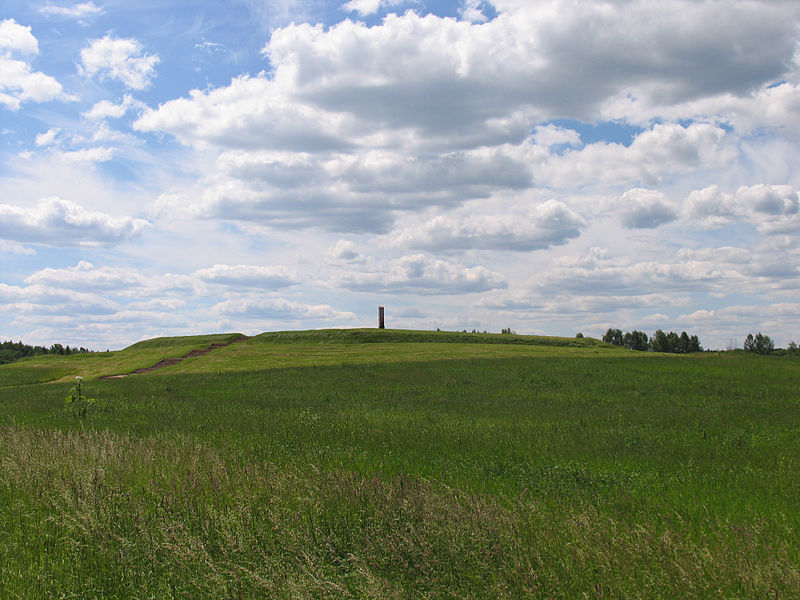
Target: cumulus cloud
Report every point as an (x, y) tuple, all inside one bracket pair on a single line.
[(527, 301), (121, 283), (772, 200), (363, 7), (664, 149), (443, 78), (278, 308), (18, 81), (527, 57), (16, 37), (343, 250), (247, 276), (251, 113), (772, 209), (549, 224), (472, 11), (552, 135), (16, 249), (122, 59), (88, 278), (355, 124), (712, 208), (359, 192), (108, 110), (646, 209), (48, 137), (57, 222), (48, 301), (597, 273), (420, 274), (772, 107)]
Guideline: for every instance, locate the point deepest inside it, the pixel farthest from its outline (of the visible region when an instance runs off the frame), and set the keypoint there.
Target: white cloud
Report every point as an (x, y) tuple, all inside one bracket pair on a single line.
[(663, 149), (772, 209), (122, 59), (646, 209), (419, 274), (77, 11), (552, 135), (770, 107), (16, 249), (343, 250), (363, 7), (247, 276), (108, 110), (16, 37), (471, 11), (599, 274), (88, 155), (774, 200), (278, 309), (775, 208), (48, 137), (119, 282), (57, 222), (251, 113), (712, 208), (370, 7), (18, 81), (47, 301), (529, 301), (345, 192), (87, 278), (442, 79), (551, 223)]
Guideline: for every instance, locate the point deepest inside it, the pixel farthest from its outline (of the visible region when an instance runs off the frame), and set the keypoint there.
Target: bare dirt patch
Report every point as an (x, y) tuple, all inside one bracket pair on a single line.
[(166, 362)]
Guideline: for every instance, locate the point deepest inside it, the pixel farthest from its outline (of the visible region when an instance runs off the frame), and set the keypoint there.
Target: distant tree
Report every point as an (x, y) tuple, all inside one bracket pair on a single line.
[(635, 340), (682, 346), (579, 335), (613, 336), (749, 343), (792, 348), (11, 351), (659, 342), (673, 341), (759, 344)]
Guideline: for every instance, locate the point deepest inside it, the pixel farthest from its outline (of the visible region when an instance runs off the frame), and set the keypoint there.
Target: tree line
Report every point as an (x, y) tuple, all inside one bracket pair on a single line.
[(684, 343), (11, 351), (763, 344), (660, 342)]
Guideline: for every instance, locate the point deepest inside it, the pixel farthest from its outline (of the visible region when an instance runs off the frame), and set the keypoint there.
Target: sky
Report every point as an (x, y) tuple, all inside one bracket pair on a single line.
[(553, 167)]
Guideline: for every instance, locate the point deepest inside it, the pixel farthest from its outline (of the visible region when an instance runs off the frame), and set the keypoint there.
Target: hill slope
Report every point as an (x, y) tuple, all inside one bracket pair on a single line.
[(288, 348)]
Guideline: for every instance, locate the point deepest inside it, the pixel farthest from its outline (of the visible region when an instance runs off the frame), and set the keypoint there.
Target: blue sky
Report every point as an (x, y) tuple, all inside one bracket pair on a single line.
[(171, 168)]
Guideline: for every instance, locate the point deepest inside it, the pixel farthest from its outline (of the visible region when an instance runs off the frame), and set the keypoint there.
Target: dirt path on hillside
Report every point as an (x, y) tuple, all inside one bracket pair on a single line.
[(166, 362)]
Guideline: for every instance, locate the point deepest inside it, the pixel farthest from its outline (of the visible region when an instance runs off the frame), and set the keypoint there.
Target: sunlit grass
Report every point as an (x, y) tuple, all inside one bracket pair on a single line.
[(54, 367), (552, 472)]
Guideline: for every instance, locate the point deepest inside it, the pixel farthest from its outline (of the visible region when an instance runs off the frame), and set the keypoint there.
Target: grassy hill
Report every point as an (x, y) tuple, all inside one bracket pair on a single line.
[(282, 349), (52, 367), (389, 464)]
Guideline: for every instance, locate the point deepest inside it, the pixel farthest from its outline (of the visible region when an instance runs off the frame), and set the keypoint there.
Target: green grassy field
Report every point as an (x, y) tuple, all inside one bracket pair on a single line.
[(370, 464)]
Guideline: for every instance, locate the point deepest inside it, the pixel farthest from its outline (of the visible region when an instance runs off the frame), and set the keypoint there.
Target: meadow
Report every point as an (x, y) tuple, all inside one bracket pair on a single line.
[(369, 464)]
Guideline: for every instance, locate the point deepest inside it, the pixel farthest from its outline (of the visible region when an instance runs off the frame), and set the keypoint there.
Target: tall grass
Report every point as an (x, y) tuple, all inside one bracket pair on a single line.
[(103, 514), (543, 476)]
